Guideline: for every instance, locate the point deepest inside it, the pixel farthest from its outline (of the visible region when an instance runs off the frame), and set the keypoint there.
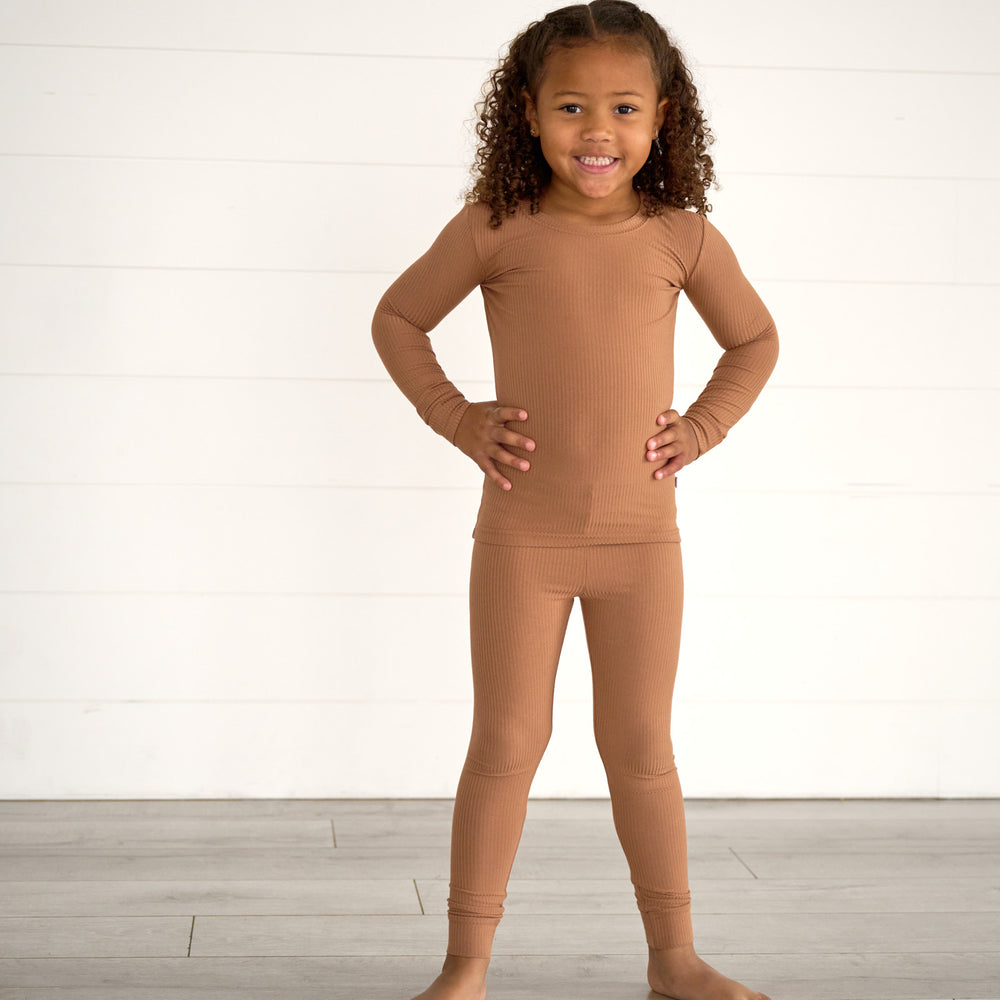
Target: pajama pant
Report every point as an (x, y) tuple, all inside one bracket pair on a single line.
[(631, 596)]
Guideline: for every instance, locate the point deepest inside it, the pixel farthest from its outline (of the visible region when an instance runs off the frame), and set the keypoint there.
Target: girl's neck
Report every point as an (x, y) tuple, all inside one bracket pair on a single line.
[(593, 211)]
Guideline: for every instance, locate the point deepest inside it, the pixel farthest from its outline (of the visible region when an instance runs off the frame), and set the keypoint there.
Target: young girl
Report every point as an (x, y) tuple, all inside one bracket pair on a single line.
[(592, 145)]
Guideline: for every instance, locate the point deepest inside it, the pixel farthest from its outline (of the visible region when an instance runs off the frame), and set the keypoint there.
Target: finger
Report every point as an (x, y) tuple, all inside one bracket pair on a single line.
[(494, 473), (504, 456), (662, 440), (509, 437), (671, 468), (664, 454), (501, 414), (668, 417)]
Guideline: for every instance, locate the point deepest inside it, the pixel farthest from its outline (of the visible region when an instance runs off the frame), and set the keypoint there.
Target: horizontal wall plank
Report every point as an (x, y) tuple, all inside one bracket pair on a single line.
[(300, 26), (829, 650), (214, 750), (292, 433), (832, 240), (281, 216), (263, 647), (135, 321), (334, 749), (969, 735), (911, 36), (843, 122), (211, 214), (847, 546), (271, 540), (226, 647), (865, 334), (242, 324), (280, 541), (210, 105), (916, 749)]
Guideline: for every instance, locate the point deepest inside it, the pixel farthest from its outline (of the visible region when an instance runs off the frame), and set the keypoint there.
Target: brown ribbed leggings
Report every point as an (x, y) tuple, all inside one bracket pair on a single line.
[(519, 602)]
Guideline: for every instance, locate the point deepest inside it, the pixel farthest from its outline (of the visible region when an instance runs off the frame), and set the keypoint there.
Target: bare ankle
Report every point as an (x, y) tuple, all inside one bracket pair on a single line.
[(680, 973), (675, 956), (461, 978), (465, 965)]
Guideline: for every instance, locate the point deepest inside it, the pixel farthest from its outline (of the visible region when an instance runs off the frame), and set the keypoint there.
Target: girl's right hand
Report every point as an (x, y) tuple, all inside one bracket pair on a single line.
[(482, 434)]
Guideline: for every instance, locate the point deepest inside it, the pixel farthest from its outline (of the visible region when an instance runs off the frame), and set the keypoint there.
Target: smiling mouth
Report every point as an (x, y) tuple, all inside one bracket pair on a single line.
[(596, 164)]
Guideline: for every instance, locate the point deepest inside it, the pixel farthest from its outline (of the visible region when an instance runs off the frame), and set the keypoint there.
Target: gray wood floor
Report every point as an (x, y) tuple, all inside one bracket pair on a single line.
[(346, 900)]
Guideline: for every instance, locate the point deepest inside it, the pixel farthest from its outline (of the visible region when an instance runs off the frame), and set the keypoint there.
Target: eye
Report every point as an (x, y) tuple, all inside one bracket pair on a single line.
[(625, 109), (571, 109)]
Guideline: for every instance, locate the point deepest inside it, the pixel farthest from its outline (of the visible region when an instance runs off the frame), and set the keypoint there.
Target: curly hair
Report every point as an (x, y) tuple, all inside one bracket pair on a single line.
[(509, 167)]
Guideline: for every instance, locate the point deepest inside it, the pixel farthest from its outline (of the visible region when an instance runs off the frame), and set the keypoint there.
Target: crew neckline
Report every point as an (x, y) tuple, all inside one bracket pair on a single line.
[(633, 221)]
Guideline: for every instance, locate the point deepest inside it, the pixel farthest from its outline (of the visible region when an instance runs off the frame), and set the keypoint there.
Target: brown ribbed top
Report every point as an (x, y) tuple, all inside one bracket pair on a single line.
[(581, 319)]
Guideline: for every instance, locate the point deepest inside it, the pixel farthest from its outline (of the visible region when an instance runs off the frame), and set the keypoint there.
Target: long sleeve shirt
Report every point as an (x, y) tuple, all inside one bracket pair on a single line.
[(581, 322)]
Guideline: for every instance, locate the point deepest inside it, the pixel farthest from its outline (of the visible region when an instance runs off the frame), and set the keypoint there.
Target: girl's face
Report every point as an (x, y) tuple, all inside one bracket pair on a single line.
[(596, 113)]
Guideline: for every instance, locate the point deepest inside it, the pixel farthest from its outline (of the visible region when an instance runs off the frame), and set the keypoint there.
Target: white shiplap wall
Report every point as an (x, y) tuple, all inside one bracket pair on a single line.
[(233, 561)]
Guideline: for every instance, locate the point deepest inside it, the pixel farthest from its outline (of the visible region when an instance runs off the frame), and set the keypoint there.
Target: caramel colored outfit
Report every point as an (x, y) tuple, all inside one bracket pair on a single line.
[(581, 320)]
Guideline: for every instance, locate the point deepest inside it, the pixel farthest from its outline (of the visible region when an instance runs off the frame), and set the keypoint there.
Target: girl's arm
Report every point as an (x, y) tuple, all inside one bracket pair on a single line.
[(741, 324), (413, 305)]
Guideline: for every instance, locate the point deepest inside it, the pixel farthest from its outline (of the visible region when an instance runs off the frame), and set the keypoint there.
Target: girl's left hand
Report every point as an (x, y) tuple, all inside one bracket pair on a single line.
[(677, 442)]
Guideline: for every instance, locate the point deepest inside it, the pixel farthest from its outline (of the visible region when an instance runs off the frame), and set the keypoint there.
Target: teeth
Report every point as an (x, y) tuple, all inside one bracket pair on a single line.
[(597, 161)]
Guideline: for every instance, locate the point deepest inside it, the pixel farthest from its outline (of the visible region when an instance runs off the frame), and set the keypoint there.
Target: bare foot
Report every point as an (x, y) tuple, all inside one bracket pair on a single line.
[(680, 974), (460, 979)]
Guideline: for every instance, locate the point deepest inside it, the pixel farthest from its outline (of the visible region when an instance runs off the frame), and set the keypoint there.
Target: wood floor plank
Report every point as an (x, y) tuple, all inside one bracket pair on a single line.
[(616, 934), (960, 837), (123, 834), (942, 863), (318, 936), (113, 937), (824, 895), (879, 835), (210, 975), (185, 809), (26, 864), (571, 822), (581, 860), (572, 810), (592, 977), (779, 810), (157, 898)]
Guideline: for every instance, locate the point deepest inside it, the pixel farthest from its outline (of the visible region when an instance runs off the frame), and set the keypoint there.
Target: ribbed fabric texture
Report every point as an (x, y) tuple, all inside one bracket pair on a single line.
[(581, 320), (520, 598)]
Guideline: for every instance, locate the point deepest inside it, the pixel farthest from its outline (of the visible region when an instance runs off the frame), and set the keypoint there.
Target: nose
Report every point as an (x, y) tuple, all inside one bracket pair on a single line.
[(597, 128)]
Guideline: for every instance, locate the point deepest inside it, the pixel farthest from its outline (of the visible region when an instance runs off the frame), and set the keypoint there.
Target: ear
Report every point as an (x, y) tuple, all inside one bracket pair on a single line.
[(661, 113), (530, 111)]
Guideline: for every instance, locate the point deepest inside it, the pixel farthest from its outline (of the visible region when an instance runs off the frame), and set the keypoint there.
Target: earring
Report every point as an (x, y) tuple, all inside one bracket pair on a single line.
[(534, 133), (656, 143)]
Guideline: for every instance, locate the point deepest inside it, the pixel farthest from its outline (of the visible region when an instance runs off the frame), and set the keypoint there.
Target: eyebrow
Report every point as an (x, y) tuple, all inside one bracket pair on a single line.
[(580, 93)]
